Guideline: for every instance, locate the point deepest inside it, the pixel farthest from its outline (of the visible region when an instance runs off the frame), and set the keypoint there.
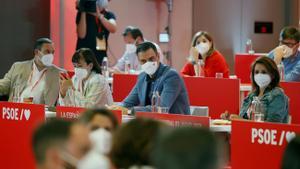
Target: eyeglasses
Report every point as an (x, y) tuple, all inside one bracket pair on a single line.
[(288, 44)]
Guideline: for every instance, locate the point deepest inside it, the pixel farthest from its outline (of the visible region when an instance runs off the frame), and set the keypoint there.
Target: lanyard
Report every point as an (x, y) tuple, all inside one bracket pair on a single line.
[(98, 23), (80, 87), (38, 81)]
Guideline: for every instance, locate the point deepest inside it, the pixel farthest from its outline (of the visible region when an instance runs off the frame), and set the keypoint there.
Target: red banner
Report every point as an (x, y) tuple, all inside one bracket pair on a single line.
[(259, 145), (176, 119), (73, 113), (17, 123)]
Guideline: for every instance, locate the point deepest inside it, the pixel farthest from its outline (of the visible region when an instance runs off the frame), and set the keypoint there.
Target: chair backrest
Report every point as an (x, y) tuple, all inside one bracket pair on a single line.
[(242, 66), (292, 90), (122, 85), (219, 94)]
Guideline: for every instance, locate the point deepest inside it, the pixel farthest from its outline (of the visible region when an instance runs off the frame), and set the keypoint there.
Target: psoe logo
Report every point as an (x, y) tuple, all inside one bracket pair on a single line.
[(15, 114)]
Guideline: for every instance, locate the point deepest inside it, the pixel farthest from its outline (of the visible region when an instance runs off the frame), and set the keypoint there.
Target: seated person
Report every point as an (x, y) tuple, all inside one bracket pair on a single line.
[(157, 77), (99, 118), (88, 88), (202, 47), (60, 144), (132, 36), (199, 146), (265, 86), (134, 143), (291, 154), (287, 53), (101, 123), (35, 80)]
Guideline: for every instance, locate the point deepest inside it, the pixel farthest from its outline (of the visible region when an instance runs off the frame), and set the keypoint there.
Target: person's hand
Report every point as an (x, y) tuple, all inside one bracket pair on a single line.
[(194, 54), (225, 115), (115, 70), (65, 83), (235, 117), (117, 107), (279, 53)]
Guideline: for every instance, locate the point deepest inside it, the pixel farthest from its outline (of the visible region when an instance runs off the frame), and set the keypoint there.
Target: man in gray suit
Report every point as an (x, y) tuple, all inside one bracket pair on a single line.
[(160, 79), (35, 80)]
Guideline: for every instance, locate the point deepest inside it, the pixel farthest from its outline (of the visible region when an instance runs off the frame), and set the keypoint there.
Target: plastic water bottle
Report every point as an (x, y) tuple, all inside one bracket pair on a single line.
[(201, 67), (127, 65), (249, 47), (105, 67), (257, 110), (155, 101), (281, 71)]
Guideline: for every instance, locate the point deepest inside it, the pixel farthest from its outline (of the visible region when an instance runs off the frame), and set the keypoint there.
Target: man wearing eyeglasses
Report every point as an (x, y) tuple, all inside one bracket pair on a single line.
[(287, 53)]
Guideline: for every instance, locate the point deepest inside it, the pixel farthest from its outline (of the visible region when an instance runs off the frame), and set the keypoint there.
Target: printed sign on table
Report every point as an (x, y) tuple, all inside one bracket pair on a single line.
[(176, 119), (73, 113), (17, 123), (259, 145), (69, 113)]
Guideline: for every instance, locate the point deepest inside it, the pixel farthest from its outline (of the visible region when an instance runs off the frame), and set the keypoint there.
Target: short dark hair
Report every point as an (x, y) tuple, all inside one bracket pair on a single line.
[(292, 154), (134, 31), (134, 142), (143, 47), (290, 33), (271, 68), (88, 116), (39, 43), (127, 30), (53, 133), (89, 57), (187, 148)]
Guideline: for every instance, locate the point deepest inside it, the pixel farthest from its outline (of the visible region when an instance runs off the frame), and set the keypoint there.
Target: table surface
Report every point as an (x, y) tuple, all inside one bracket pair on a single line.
[(127, 118)]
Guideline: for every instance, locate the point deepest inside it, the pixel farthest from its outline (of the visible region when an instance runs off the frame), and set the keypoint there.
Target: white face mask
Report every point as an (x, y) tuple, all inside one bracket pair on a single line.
[(202, 48), (93, 160), (287, 51), (47, 59), (262, 80), (130, 48), (101, 141), (80, 73), (149, 67)]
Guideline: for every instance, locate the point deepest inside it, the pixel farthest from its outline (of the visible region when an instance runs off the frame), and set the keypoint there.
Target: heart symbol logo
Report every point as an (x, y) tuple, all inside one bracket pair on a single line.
[(289, 136), (27, 114)]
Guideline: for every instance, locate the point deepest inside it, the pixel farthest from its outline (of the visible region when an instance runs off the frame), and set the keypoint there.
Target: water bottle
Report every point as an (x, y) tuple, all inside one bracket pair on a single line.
[(281, 71), (201, 67), (127, 65), (105, 67), (155, 101), (249, 46), (257, 110)]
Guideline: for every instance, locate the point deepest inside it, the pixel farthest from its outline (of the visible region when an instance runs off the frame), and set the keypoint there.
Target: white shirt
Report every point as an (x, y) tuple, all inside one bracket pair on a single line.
[(133, 59), (35, 85)]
